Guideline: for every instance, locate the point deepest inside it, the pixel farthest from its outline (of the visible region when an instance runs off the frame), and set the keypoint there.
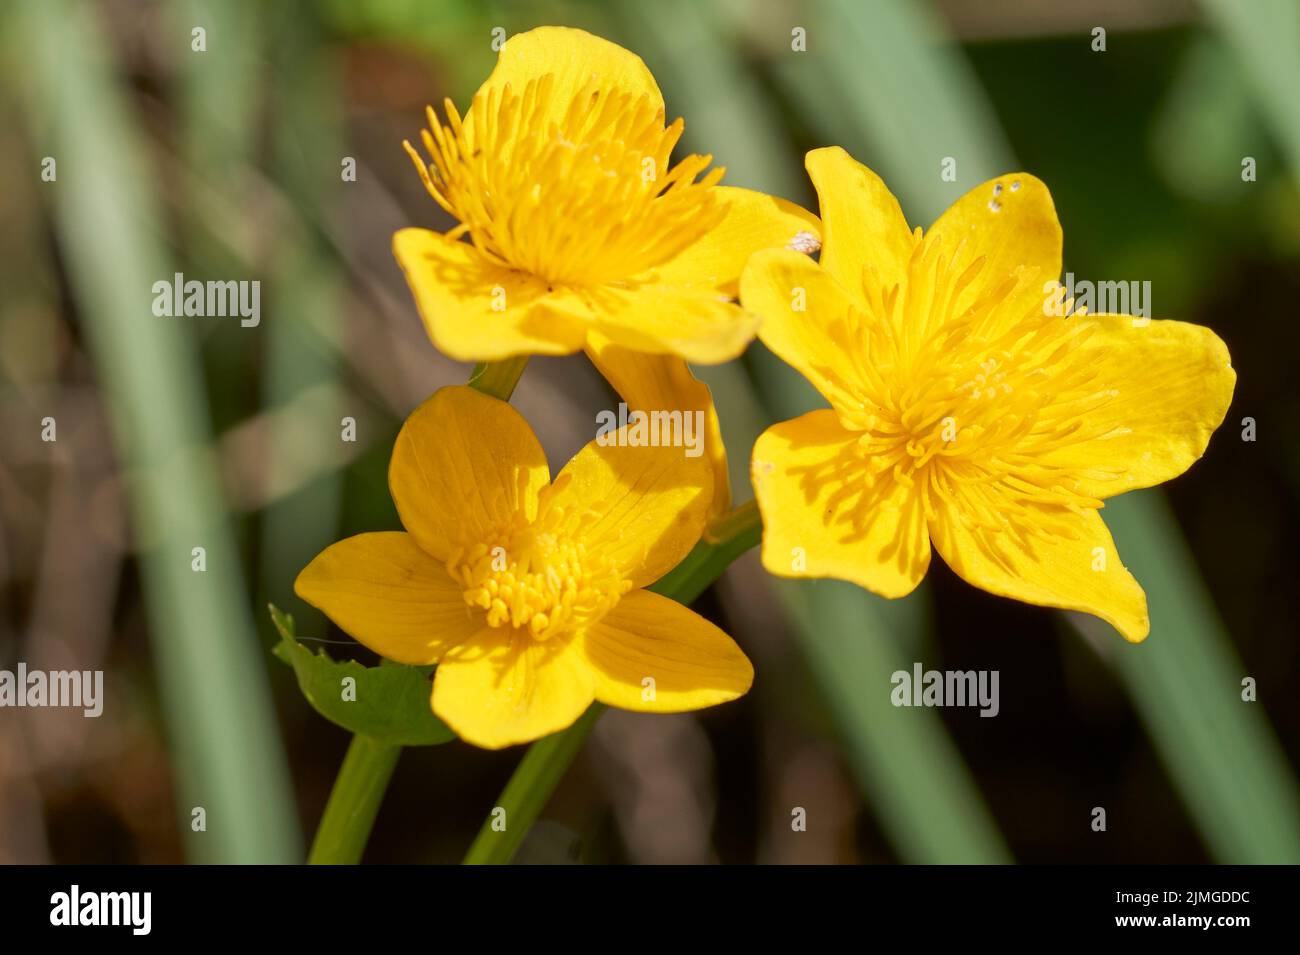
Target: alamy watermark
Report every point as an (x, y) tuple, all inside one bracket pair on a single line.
[(652, 429), (946, 688), (75, 907), (83, 688), (212, 299), (1106, 298)]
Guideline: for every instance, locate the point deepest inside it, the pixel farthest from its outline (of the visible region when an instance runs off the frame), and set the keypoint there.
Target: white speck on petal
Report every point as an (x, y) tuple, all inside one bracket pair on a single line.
[(805, 242)]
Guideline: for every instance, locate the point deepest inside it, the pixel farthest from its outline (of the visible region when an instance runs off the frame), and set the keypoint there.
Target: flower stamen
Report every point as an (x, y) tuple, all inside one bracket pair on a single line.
[(583, 200)]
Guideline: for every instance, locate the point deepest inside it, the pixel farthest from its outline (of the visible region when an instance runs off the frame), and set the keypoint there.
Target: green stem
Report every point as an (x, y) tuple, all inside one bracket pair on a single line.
[(498, 378), (546, 761), (354, 802), (528, 790), (363, 777), (724, 540)]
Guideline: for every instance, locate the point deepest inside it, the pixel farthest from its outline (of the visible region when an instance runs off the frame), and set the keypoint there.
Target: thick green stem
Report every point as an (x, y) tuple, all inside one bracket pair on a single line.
[(724, 540), (546, 761), (498, 378), (354, 802), (528, 790)]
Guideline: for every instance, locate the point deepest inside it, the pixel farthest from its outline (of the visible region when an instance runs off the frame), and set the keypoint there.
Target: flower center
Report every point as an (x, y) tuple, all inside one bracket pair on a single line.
[(539, 577), (584, 200), (970, 384)]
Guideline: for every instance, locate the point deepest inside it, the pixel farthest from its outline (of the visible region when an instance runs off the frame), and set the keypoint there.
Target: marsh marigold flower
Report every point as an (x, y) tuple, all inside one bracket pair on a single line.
[(527, 592), (577, 232), (966, 410)]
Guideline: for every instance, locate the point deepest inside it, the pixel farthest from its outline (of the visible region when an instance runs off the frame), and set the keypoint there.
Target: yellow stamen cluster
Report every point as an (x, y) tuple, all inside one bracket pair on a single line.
[(541, 577), (584, 200), (967, 385)]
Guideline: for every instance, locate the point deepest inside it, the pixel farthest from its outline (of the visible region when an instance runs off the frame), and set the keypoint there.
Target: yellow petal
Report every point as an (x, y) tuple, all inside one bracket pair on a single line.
[(477, 310), (648, 638), (862, 224), (1010, 224), (1040, 554), (694, 322), (575, 58), (505, 688), (753, 221), (808, 321), (826, 514), (642, 507), (664, 383), (463, 467), (390, 595), (1171, 385)]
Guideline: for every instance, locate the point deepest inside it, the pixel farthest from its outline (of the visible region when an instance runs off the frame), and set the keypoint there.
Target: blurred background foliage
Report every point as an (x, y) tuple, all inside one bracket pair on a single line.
[(226, 164)]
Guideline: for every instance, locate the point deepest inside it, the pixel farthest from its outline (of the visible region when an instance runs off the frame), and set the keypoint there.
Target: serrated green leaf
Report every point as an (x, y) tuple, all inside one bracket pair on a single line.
[(391, 701)]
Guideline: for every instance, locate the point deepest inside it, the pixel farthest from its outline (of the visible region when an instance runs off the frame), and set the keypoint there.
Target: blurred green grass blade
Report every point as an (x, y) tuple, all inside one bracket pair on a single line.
[(222, 728), (904, 760), (886, 72), (1265, 36), (1185, 681), (306, 294), (726, 112), (1205, 124), (218, 101), (1231, 776)]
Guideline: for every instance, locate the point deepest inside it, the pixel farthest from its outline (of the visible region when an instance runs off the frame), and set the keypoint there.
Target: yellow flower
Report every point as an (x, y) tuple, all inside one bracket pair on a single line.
[(526, 593), (963, 411), (581, 233)]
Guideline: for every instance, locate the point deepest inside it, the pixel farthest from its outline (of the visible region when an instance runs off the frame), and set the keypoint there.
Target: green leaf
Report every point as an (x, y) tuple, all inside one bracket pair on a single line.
[(391, 703)]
